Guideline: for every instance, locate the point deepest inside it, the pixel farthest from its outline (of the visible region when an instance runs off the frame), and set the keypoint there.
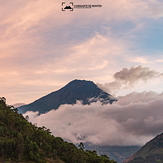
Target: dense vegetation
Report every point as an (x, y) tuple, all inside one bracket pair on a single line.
[(22, 141), (152, 152), (157, 158)]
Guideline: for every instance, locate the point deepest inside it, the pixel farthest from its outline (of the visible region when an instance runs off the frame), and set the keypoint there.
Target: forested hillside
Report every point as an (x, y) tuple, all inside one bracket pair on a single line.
[(151, 152), (21, 141)]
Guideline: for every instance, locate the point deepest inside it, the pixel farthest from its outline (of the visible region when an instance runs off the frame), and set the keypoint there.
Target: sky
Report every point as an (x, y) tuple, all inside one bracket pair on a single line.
[(42, 48), (118, 46)]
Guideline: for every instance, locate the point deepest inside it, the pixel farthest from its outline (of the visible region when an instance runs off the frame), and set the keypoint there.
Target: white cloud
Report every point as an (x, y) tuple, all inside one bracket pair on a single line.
[(133, 120)]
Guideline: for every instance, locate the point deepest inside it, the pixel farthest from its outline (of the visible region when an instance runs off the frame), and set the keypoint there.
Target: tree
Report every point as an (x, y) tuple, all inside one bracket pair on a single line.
[(20, 145), (2, 147), (27, 117), (81, 146)]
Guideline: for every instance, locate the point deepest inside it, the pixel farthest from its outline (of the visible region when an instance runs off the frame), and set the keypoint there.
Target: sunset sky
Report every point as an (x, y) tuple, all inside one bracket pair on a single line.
[(42, 48)]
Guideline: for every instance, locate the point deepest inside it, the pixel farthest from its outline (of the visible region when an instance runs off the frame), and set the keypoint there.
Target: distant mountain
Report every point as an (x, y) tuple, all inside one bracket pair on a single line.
[(18, 104), (85, 91), (152, 152), (117, 153)]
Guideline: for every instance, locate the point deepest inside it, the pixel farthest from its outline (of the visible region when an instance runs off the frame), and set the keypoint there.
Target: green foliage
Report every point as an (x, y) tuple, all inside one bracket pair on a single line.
[(19, 145), (81, 146), (159, 161), (22, 141)]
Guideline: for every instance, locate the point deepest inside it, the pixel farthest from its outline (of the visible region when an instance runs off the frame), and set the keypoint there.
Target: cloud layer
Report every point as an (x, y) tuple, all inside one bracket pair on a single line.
[(133, 120), (127, 78)]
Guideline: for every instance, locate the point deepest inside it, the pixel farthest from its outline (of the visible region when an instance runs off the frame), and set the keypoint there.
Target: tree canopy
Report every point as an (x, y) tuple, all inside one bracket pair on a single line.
[(22, 141)]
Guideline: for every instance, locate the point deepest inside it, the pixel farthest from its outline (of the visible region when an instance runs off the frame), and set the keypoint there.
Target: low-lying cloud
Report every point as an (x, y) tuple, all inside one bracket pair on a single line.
[(127, 78), (133, 120)]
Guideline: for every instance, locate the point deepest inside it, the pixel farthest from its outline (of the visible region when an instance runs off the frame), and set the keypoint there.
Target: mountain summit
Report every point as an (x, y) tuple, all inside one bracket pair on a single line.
[(85, 91)]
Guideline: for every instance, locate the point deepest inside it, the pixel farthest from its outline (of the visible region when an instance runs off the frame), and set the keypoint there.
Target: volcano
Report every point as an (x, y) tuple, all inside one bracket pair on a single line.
[(85, 91)]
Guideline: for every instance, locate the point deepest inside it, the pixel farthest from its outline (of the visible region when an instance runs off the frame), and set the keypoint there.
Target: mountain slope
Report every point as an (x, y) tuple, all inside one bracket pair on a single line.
[(18, 105), (20, 141), (86, 91), (152, 152)]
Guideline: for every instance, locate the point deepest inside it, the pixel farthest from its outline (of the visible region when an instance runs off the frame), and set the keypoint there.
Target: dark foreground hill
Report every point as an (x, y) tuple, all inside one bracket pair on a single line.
[(152, 152), (85, 91), (20, 141)]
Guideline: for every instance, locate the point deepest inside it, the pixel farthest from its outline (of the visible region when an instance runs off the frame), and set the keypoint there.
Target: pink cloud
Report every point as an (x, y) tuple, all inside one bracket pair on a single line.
[(32, 57)]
